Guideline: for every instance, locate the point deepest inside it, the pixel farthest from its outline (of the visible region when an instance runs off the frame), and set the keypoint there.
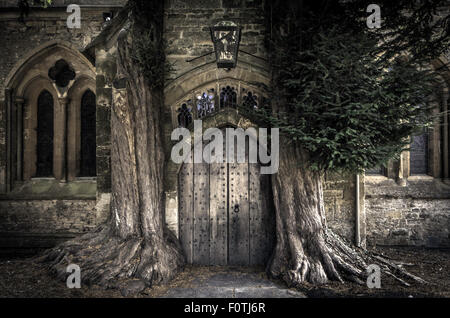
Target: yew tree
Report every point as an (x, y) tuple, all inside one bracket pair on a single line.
[(346, 97), (135, 241)]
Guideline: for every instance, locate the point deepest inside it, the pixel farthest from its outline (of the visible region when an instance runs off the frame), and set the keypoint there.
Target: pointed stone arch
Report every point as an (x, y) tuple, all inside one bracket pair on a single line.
[(22, 86), (30, 65), (228, 116), (250, 74)]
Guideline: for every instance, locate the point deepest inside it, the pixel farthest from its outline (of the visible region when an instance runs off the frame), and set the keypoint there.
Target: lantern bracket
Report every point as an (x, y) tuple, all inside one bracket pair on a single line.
[(212, 52)]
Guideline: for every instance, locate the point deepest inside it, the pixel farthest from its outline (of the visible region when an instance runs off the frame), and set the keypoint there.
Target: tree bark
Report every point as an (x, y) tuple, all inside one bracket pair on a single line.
[(300, 253), (135, 241), (306, 250)]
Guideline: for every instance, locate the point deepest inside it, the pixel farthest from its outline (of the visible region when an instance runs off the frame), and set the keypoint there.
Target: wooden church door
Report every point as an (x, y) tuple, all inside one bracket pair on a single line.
[(225, 214)]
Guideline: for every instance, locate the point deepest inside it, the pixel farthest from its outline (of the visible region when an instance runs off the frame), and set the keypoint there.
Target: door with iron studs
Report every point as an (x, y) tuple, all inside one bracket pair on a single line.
[(225, 214)]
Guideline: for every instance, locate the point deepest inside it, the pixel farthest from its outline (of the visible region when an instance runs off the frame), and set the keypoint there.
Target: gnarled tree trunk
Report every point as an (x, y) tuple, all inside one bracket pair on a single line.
[(306, 251), (135, 242), (300, 253)]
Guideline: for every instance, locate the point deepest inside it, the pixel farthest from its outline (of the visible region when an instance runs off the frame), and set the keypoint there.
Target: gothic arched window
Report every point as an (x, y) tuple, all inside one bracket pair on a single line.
[(228, 97), (44, 142), (419, 154), (205, 103), (88, 135), (250, 100), (184, 115)]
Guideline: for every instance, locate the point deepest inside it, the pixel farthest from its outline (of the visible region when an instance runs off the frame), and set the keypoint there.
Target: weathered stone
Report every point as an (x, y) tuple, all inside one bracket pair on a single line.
[(418, 214)]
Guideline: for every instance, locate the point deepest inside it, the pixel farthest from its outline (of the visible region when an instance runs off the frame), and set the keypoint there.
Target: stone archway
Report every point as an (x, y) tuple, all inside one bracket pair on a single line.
[(226, 214), (247, 79)]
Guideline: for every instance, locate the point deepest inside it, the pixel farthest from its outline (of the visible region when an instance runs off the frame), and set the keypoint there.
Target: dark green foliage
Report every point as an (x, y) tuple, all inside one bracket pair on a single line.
[(148, 43), (347, 94), (150, 56), (24, 6)]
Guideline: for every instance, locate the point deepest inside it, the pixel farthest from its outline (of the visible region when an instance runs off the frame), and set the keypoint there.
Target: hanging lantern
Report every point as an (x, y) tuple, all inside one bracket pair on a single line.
[(226, 37)]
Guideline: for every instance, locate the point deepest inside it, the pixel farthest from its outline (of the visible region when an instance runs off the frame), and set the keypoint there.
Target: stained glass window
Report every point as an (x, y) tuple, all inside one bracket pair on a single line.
[(205, 103), (88, 135), (44, 142), (250, 100), (184, 115), (210, 101), (228, 97)]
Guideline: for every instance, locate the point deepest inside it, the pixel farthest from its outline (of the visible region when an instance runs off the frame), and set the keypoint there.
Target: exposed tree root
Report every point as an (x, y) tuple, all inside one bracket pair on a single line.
[(105, 259), (339, 261)]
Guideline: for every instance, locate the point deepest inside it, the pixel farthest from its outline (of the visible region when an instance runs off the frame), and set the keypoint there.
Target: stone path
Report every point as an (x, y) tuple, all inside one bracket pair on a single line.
[(233, 284)]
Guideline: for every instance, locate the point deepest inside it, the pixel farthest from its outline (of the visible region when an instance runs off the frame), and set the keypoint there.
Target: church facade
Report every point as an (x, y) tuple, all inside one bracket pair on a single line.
[(57, 85)]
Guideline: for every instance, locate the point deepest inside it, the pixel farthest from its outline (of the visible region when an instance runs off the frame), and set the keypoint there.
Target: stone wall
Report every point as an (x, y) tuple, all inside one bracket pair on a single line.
[(340, 204), (187, 32), (27, 225), (417, 214)]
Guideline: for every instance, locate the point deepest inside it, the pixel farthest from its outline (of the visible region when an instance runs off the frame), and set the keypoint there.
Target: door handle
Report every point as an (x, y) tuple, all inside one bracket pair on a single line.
[(236, 208)]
